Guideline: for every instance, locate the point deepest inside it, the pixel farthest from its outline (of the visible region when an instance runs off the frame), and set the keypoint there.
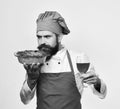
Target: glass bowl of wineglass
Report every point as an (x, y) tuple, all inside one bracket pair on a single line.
[(83, 63)]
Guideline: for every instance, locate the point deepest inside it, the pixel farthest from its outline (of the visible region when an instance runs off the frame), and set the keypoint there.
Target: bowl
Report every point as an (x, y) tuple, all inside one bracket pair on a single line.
[(30, 56)]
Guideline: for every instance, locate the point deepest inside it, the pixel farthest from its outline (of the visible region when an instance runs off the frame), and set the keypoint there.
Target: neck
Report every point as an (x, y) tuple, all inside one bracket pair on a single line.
[(60, 47)]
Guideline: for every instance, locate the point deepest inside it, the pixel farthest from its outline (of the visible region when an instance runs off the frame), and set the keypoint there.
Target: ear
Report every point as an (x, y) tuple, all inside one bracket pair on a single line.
[(60, 38)]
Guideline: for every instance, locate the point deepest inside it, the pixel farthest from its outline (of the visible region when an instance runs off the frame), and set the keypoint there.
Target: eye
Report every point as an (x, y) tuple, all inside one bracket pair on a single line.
[(47, 36), (39, 37)]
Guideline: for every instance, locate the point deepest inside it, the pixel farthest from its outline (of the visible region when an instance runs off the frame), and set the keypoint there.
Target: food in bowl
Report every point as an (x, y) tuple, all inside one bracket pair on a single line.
[(30, 56)]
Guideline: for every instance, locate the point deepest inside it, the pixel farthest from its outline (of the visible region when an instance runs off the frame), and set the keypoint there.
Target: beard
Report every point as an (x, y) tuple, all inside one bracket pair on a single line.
[(47, 49)]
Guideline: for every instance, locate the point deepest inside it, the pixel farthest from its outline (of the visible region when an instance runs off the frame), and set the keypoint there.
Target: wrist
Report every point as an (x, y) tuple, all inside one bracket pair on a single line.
[(97, 84), (33, 75), (31, 83)]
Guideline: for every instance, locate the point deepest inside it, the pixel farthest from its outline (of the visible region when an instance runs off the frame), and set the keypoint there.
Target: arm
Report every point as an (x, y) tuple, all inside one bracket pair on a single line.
[(29, 86), (26, 94), (98, 87), (91, 78)]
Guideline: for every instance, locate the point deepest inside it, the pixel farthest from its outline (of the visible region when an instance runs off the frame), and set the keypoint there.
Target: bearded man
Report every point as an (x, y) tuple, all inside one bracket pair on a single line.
[(58, 82)]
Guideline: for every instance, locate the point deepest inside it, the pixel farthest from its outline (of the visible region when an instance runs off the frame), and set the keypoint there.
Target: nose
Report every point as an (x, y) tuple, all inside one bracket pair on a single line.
[(41, 41)]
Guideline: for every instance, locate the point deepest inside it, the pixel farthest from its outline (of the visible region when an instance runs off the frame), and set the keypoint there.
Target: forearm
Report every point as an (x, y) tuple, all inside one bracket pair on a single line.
[(26, 94), (100, 89), (28, 89)]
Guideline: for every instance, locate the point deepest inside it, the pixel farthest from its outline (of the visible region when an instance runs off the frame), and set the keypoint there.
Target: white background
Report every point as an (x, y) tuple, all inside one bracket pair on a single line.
[(95, 29)]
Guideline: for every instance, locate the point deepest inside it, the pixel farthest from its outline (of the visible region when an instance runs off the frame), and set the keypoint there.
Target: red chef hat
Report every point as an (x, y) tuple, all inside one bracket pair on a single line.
[(52, 21)]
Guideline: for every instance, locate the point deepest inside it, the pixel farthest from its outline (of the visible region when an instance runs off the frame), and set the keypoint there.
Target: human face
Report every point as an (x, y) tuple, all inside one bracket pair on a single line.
[(46, 37), (47, 42)]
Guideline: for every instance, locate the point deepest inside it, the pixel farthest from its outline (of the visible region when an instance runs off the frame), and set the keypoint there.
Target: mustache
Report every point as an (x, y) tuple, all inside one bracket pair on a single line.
[(47, 49), (40, 47)]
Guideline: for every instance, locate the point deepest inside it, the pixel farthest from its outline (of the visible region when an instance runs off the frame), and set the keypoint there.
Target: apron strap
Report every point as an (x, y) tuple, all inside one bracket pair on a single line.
[(70, 61)]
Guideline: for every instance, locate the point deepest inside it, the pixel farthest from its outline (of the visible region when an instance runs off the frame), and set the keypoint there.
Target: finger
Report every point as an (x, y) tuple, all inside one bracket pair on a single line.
[(35, 65), (86, 75), (92, 81), (90, 78), (32, 65), (25, 65), (38, 64)]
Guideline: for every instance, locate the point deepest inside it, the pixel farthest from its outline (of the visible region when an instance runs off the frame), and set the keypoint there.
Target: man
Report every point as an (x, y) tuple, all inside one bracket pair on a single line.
[(57, 81)]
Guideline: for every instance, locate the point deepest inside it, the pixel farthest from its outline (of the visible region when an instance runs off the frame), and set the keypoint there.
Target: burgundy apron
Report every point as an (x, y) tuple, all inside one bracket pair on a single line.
[(58, 90)]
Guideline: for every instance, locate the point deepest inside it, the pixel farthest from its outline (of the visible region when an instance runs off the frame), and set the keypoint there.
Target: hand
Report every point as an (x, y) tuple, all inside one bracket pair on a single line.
[(90, 78), (33, 71)]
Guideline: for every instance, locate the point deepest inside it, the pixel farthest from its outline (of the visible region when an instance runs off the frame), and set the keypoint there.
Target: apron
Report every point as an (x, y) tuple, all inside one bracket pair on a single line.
[(58, 90)]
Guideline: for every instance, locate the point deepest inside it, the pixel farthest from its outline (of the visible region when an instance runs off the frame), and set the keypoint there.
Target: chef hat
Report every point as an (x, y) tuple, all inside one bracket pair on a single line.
[(52, 21)]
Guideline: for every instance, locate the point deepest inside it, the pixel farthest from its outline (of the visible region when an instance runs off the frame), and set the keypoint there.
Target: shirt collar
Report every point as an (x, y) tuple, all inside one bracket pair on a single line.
[(60, 54)]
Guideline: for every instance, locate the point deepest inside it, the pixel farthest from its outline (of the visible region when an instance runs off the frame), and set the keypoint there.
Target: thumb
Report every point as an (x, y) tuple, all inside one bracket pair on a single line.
[(26, 66)]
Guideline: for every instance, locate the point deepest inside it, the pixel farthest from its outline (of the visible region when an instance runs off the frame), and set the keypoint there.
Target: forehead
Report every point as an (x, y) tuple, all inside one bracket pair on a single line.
[(42, 33)]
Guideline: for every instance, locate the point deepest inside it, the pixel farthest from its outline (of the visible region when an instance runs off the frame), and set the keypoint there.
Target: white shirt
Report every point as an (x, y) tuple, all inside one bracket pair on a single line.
[(57, 64)]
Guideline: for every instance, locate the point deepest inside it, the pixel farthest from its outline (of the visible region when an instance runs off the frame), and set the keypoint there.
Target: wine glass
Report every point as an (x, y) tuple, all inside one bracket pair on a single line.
[(83, 64)]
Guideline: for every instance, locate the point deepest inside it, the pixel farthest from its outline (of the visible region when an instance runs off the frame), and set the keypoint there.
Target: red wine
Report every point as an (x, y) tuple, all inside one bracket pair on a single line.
[(83, 67)]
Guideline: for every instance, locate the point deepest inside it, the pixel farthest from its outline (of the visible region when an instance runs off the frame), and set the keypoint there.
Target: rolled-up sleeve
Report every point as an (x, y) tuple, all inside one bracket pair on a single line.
[(26, 94), (103, 89)]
